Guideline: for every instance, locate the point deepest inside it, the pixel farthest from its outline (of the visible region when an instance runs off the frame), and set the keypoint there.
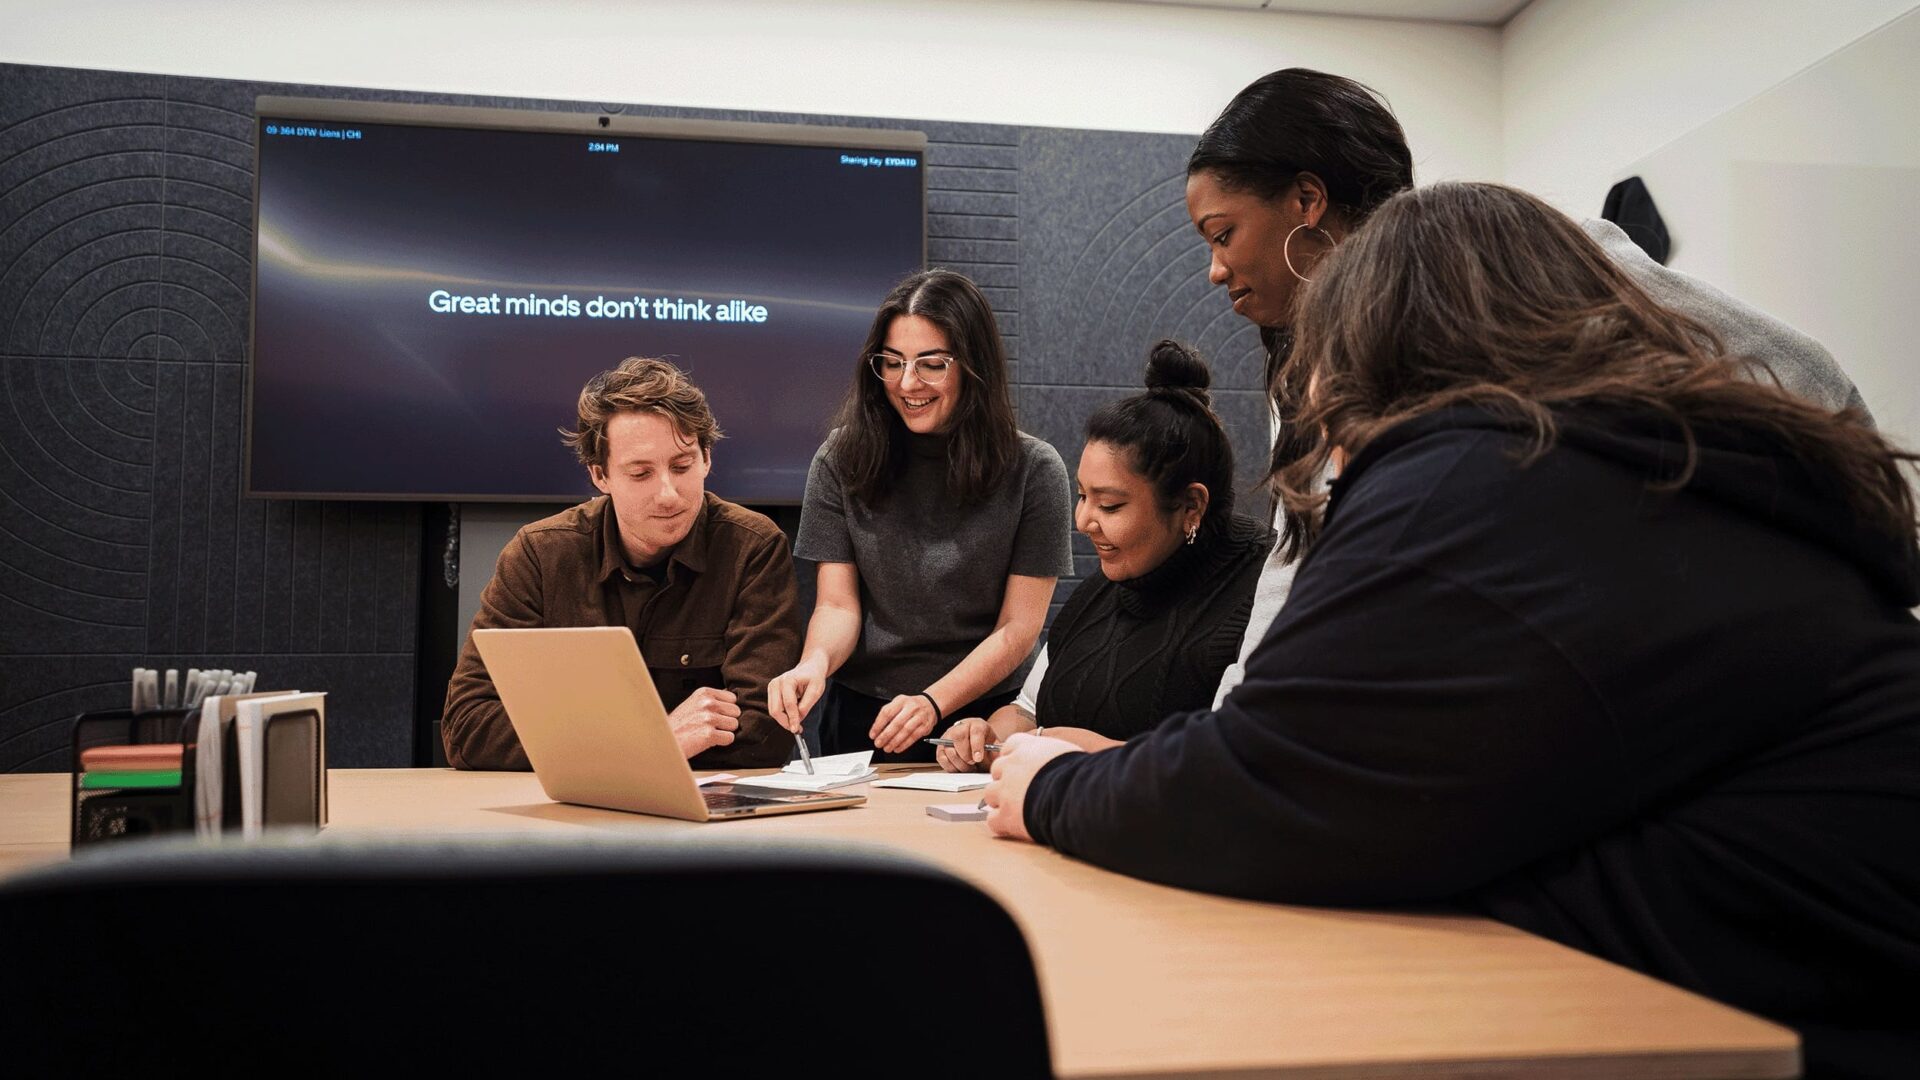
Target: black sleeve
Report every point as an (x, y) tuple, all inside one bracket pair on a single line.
[(1399, 737)]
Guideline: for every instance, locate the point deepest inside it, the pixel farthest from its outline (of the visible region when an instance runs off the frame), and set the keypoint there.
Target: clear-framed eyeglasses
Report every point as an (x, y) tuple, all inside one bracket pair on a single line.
[(932, 368)]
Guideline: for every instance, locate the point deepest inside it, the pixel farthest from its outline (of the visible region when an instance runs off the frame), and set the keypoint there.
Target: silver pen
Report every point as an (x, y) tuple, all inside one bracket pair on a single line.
[(993, 746), (806, 757)]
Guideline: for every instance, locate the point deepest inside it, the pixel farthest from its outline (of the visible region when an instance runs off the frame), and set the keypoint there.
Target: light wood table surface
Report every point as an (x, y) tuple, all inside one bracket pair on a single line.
[(1142, 980)]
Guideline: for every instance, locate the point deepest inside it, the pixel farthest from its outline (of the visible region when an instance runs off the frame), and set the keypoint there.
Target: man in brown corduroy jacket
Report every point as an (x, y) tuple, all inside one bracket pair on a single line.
[(707, 587)]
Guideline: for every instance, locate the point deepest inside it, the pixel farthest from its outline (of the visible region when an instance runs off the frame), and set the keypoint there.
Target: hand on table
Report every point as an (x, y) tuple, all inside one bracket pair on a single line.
[(1013, 770)]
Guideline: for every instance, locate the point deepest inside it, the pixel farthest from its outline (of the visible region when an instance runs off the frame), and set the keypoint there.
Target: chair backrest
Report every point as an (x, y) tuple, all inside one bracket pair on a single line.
[(497, 955)]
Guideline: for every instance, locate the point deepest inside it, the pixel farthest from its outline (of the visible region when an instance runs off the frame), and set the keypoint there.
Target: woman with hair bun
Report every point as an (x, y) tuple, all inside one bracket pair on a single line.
[(1147, 635)]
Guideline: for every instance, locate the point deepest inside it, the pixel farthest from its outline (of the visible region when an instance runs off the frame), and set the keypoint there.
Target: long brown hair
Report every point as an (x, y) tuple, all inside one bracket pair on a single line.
[(1480, 294), (870, 449)]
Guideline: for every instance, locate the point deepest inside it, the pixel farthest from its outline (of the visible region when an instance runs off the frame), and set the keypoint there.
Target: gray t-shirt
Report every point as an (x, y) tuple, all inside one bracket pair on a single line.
[(933, 573)]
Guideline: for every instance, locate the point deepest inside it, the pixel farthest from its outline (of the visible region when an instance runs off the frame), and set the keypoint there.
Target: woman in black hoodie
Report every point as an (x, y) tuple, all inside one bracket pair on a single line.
[(1594, 635)]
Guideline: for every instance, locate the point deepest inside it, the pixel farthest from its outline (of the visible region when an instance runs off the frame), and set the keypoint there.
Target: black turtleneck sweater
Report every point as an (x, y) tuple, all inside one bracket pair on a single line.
[(1123, 655)]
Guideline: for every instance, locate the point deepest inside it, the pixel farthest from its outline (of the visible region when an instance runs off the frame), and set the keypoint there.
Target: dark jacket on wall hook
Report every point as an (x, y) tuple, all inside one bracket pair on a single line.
[(1630, 206)]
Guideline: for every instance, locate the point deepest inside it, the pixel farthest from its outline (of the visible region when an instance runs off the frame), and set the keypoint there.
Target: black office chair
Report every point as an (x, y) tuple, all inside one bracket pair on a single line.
[(503, 955)]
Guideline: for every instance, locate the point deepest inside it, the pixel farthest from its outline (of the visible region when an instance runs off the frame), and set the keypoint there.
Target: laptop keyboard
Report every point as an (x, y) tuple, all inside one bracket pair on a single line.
[(717, 800)]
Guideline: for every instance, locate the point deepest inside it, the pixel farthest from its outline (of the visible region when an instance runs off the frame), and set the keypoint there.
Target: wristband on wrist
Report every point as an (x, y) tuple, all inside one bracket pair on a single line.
[(938, 716)]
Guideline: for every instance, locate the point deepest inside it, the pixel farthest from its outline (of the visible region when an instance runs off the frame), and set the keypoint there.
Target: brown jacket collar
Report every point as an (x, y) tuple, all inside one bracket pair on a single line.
[(690, 552)]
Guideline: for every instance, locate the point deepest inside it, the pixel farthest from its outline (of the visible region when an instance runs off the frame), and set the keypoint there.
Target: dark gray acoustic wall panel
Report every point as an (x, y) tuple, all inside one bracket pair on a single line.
[(1109, 265), (125, 257)]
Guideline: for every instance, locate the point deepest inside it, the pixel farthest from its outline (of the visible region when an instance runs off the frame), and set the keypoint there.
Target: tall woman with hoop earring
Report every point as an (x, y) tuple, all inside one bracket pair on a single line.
[(1293, 165)]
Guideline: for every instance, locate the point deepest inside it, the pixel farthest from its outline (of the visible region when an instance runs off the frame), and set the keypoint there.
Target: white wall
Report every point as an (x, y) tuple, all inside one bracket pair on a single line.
[(1805, 201), (1054, 63), (1590, 86)]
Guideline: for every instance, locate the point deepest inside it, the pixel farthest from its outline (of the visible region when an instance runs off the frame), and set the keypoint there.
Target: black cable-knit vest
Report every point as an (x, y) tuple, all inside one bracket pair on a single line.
[(1124, 655)]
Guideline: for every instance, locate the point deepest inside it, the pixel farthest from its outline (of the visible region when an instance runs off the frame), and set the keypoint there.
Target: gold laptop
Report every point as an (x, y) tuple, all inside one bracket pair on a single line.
[(592, 724)]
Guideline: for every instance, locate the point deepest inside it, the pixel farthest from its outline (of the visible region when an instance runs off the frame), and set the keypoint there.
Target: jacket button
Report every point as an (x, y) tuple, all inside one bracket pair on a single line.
[(684, 657)]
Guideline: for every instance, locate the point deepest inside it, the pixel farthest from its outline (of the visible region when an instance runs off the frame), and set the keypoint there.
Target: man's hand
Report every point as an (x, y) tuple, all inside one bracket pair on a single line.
[(1013, 770), (708, 718)]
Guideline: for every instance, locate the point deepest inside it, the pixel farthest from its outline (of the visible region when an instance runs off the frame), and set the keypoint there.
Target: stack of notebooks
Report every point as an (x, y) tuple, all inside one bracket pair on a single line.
[(152, 765), (234, 763)]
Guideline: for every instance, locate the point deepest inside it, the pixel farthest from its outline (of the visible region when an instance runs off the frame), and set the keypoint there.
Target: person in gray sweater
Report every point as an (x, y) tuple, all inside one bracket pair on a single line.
[(939, 529), (1297, 161)]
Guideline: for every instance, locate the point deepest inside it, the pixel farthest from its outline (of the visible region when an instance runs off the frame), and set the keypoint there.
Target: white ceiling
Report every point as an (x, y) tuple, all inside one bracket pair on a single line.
[(1475, 12)]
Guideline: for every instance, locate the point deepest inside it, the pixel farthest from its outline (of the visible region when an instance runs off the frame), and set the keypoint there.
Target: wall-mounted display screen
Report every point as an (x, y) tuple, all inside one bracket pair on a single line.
[(433, 285)]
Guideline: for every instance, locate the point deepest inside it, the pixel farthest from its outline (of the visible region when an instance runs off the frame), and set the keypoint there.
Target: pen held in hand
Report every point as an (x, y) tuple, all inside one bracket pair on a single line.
[(806, 756), (993, 746)]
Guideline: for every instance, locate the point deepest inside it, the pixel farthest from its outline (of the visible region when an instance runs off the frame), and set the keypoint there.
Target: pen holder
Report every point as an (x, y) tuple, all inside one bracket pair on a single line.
[(136, 773)]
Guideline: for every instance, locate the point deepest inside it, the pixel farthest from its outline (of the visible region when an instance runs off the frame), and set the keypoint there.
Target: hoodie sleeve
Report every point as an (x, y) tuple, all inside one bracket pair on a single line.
[(1803, 366), (1398, 738)]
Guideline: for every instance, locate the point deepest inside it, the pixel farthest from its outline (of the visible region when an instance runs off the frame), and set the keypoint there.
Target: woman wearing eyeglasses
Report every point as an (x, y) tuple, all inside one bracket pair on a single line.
[(939, 529)]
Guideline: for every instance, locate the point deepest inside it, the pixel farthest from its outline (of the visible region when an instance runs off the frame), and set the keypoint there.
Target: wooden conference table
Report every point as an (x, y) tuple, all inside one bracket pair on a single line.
[(1142, 980)]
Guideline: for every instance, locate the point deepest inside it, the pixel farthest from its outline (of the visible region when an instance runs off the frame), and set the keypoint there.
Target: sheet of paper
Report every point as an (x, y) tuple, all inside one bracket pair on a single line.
[(209, 771), (716, 778), (839, 770), (803, 782), (841, 764), (937, 781)]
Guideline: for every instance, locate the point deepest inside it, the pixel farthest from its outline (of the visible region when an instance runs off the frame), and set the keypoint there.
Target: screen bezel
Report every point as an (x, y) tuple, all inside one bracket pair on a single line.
[(564, 123)]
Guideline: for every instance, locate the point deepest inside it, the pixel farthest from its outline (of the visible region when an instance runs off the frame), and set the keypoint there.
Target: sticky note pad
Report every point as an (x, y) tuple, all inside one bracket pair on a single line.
[(144, 757), (957, 812), (147, 778)]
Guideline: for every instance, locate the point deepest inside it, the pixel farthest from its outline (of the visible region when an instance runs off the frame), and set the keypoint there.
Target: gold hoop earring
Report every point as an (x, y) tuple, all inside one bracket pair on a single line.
[(1288, 243)]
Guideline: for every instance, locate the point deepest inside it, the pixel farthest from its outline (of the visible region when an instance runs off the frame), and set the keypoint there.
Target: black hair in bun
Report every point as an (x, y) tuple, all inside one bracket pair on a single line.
[(1173, 367), (1170, 433)]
